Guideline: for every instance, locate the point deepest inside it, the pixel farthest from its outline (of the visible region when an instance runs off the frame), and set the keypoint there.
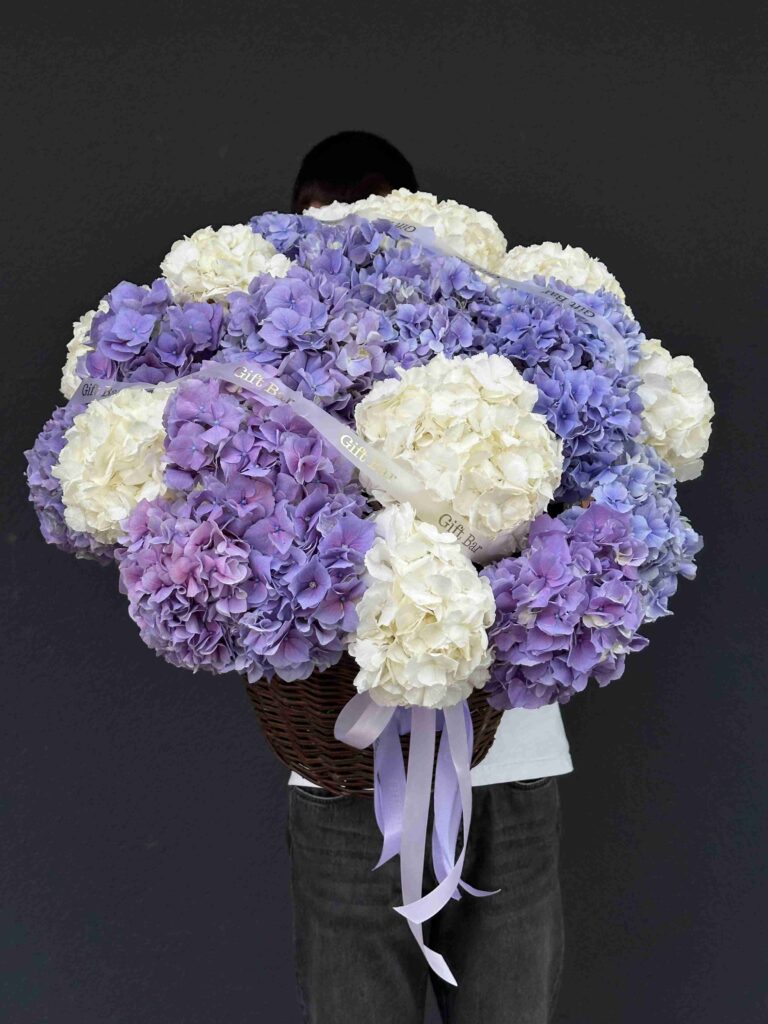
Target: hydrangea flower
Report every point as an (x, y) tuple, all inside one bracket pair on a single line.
[(210, 264), (566, 264), (430, 303), (466, 428), (677, 408), (422, 637), (113, 459), (567, 609), (145, 337), (360, 301), (45, 489), (643, 485), (286, 517), (184, 576)]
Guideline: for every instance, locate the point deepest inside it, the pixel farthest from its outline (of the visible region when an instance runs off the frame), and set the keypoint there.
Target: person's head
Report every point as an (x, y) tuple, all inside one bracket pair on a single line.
[(347, 167)]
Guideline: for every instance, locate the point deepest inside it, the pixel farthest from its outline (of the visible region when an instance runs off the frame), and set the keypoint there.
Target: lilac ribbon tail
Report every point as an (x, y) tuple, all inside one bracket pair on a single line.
[(389, 789), (402, 802), (415, 814), (360, 723), (447, 813), (421, 909)]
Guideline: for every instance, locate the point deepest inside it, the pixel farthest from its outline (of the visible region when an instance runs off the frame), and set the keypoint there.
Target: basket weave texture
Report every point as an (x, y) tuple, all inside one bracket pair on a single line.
[(298, 720)]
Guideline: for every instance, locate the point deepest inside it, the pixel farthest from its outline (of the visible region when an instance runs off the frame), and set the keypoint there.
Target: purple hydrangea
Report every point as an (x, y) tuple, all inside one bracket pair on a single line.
[(45, 489), (567, 609), (360, 300), (145, 337), (259, 565), (185, 576), (643, 485)]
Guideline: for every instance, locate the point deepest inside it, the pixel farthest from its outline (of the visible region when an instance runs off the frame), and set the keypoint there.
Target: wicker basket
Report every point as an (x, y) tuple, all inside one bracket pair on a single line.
[(298, 721)]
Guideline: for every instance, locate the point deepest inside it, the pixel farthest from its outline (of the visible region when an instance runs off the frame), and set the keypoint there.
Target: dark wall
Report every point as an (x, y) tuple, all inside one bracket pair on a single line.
[(144, 868)]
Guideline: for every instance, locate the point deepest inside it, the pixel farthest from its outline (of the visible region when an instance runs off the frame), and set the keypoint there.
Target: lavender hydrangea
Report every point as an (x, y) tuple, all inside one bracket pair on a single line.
[(145, 337), (184, 576), (360, 300), (567, 609), (642, 484), (259, 565), (45, 489)]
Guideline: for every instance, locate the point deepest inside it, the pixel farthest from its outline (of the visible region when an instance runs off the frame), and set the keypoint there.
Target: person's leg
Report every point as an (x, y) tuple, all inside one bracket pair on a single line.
[(506, 950), (356, 959)]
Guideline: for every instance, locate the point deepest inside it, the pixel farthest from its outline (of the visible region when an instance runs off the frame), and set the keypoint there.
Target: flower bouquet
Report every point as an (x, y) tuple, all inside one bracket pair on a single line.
[(374, 433)]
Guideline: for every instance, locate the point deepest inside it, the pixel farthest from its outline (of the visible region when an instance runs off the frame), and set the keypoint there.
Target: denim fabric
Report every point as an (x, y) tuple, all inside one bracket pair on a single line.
[(356, 959)]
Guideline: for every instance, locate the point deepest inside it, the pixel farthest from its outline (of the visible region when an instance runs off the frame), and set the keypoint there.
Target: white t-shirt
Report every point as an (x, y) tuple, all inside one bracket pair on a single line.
[(528, 745)]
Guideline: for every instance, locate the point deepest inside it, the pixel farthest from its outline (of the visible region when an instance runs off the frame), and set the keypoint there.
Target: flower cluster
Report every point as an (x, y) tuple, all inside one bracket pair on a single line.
[(466, 428), (45, 489), (567, 610), (258, 566), (245, 543), (472, 234), (422, 637), (209, 265), (566, 264), (145, 337), (113, 458), (677, 408)]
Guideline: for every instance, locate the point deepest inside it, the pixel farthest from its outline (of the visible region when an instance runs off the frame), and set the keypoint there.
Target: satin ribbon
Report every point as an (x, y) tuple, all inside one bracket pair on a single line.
[(402, 801)]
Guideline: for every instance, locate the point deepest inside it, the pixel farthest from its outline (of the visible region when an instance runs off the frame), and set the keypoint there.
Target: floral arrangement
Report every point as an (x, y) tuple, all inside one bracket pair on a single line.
[(522, 526)]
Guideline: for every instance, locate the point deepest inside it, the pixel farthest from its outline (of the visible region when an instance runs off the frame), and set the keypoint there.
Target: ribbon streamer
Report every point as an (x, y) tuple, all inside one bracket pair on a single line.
[(402, 802)]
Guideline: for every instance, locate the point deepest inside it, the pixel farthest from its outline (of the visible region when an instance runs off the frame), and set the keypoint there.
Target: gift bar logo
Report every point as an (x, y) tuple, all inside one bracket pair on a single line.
[(568, 301), (451, 525), (91, 389), (257, 380), (352, 445)]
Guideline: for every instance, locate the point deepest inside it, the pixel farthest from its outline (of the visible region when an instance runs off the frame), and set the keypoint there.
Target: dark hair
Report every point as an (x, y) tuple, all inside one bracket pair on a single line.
[(350, 166)]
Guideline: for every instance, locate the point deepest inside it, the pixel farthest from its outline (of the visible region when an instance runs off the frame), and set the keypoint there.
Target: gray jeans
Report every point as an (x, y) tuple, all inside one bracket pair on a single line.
[(356, 959)]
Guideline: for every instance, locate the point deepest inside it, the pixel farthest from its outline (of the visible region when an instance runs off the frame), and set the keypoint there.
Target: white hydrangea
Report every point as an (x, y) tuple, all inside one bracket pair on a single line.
[(422, 635), (113, 458), (568, 264), (677, 408), (473, 234), (212, 263), (77, 346), (467, 429)]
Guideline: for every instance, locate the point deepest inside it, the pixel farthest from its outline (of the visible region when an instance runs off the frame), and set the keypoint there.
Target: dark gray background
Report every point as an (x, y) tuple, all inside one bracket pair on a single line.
[(144, 870)]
